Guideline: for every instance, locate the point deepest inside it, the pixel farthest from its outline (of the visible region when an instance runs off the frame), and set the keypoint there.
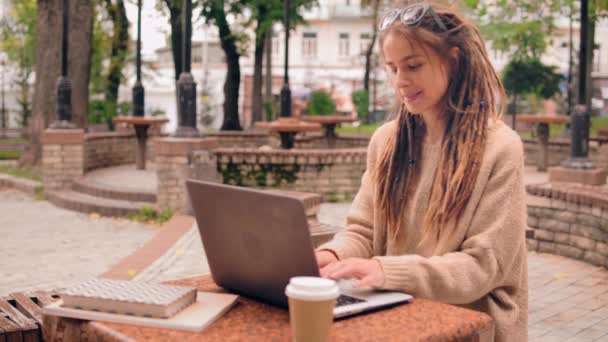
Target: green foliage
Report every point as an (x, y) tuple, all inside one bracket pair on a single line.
[(18, 41), (102, 45), (361, 129), (361, 100), (531, 77), (149, 215), (244, 174), (321, 103), (101, 111), (18, 172), (9, 154), (39, 193)]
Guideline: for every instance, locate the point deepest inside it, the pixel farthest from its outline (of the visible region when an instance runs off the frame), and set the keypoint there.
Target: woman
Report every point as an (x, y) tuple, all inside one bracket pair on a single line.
[(441, 209)]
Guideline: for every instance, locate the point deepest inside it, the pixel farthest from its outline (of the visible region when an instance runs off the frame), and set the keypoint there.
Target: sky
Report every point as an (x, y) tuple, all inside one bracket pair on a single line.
[(155, 26)]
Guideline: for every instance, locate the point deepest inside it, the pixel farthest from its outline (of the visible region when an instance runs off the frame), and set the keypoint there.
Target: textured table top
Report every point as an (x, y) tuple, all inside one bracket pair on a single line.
[(420, 320), (139, 120)]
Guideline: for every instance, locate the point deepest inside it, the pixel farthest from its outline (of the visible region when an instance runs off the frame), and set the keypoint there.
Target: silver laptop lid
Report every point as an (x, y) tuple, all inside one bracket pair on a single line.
[(255, 241)]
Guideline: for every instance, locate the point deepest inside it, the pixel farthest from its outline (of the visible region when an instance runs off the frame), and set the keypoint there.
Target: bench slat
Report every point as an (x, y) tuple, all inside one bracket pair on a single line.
[(17, 317), (26, 305)]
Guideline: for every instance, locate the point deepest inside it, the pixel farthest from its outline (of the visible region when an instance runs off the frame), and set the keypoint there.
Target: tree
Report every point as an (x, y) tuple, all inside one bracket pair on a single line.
[(375, 6), (120, 48), (525, 28), (19, 44), (530, 76), (48, 68), (264, 13), (175, 21), (215, 12)]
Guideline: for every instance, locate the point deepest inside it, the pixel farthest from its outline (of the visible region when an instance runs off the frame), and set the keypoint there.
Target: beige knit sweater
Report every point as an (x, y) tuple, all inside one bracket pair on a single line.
[(481, 264)]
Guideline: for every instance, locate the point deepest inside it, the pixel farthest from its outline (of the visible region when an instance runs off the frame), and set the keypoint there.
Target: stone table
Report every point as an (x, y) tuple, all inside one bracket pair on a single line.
[(249, 320), (141, 125), (288, 128), (329, 123), (542, 130)]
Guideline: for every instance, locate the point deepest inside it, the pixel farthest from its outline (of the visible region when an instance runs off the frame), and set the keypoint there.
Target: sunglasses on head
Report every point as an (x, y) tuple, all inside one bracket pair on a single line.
[(409, 16)]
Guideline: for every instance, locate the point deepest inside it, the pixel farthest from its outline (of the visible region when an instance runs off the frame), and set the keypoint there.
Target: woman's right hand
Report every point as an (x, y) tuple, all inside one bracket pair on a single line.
[(325, 258)]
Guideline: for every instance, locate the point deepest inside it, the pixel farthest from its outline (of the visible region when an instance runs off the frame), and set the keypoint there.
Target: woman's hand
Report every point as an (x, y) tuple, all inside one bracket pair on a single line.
[(369, 272), (325, 258)]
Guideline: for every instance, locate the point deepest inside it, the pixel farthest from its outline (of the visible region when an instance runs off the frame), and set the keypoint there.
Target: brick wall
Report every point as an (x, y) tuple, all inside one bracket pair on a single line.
[(335, 174), (62, 157), (559, 150), (319, 141), (106, 149), (570, 220), (175, 163), (243, 139)]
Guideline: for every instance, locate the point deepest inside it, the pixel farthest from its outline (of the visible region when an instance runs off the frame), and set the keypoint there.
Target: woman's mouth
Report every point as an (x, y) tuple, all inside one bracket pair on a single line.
[(413, 96)]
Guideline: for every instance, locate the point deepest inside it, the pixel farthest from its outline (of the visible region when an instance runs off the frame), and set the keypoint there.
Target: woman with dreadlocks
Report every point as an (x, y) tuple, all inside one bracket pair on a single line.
[(441, 210)]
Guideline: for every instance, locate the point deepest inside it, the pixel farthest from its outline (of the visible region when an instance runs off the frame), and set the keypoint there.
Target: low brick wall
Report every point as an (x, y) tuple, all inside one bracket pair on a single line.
[(243, 139), (571, 220), (62, 157), (104, 149), (559, 150), (317, 141), (335, 174)]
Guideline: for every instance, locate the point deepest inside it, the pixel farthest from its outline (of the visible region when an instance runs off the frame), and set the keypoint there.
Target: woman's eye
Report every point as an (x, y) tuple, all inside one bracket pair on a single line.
[(414, 66)]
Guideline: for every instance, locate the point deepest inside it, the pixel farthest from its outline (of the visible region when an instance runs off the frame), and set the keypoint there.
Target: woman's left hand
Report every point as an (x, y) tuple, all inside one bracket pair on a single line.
[(369, 272)]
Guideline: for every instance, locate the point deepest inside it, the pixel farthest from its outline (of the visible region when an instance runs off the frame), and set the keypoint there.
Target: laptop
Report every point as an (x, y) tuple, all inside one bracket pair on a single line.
[(255, 241)]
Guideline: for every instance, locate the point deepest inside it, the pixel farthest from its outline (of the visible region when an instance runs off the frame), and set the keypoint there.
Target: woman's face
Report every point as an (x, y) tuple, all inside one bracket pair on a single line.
[(417, 74)]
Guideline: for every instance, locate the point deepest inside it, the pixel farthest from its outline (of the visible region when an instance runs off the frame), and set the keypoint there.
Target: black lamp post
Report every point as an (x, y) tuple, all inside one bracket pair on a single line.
[(3, 121), (138, 88), (63, 107), (287, 139), (186, 87), (580, 117)]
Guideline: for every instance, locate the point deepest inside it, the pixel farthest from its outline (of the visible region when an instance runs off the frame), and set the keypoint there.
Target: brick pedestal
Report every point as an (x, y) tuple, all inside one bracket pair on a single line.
[(595, 176), (62, 157), (178, 159)]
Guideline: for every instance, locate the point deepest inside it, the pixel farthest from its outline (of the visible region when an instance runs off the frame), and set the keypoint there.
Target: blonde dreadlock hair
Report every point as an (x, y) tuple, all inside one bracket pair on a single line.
[(473, 99)]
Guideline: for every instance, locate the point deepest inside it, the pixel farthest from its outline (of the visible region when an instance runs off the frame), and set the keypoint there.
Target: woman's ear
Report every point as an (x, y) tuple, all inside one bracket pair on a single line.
[(454, 60)]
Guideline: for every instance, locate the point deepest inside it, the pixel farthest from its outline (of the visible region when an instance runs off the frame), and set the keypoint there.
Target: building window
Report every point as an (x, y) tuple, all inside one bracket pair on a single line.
[(309, 45), (343, 45), (365, 39), (276, 48)]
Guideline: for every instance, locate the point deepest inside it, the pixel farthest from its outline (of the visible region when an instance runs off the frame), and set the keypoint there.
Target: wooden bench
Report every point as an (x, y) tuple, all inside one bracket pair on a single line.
[(21, 316)]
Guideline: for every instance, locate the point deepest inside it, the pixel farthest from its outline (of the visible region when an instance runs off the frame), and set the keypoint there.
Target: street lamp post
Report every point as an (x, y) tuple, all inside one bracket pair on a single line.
[(186, 87), (580, 117), (287, 139), (3, 123), (63, 109), (138, 88)]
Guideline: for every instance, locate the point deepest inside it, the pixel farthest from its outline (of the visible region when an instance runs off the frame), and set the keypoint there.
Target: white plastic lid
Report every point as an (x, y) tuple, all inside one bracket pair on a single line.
[(312, 288)]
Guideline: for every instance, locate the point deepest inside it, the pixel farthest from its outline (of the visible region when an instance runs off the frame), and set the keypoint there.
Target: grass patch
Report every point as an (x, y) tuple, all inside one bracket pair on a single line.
[(597, 123), (149, 215), (361, 129), (19, 173), (39, 194), (13, 141), (10, 154)]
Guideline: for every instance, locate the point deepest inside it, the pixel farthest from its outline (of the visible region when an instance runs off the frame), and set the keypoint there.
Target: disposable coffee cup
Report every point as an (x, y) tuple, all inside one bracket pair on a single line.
[(311, 306)]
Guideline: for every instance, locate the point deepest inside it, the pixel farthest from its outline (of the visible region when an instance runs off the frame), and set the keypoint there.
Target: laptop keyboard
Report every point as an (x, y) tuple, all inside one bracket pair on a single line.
[(346, 300)]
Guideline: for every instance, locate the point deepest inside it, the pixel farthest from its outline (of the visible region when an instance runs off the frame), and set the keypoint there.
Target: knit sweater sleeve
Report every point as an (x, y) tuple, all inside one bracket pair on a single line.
[(490, 251), (355, 240)]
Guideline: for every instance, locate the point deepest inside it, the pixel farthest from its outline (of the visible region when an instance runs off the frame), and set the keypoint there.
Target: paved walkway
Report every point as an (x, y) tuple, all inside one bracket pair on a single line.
[(45, 247)]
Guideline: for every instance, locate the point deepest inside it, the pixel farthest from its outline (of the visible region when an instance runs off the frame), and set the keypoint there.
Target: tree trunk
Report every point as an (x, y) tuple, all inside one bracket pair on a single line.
[(370, 49), (260, 39), (233, 75), (48, 69), (175, 20), (82, 14), (118, 56), (268, 93)]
